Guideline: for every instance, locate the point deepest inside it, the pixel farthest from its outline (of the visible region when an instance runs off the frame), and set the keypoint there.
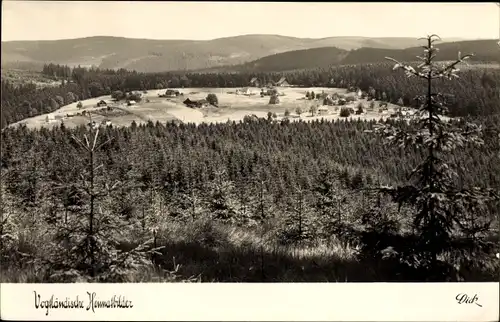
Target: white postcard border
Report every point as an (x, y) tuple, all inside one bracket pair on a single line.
[(258, 301)]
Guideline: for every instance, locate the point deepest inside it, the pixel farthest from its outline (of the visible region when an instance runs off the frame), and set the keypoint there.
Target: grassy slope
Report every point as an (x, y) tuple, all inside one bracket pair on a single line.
[(207, 251), (231, 106)]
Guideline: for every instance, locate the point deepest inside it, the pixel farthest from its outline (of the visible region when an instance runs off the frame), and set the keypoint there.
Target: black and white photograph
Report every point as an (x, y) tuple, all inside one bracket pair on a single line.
[(259, 142)]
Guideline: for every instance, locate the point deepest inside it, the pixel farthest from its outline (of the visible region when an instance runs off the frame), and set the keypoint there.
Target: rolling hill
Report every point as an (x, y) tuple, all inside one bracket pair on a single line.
[(146, 55), (290, 60), (484, 50)]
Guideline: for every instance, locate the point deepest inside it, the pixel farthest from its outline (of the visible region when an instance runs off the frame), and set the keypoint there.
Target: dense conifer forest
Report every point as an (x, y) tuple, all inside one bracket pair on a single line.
[(310, 183)]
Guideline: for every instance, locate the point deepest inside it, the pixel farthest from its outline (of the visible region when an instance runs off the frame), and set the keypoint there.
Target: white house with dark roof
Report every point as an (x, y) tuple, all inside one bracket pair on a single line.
[(244, 91), (255, 82), (322, 110), (282, 82)]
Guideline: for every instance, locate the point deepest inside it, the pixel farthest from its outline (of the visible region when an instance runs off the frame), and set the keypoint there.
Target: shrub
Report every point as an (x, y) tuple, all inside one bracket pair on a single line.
[(134, 97), (313, 109), (361, 109), (274, 99), (117, 95), (345, 112), (212, 99)]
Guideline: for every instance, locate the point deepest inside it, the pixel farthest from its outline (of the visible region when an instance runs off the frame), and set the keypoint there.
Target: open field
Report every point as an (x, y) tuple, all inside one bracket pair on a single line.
[(232, 106)]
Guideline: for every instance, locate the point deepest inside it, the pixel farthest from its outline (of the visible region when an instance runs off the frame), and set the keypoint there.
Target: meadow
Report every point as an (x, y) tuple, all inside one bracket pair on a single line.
[(231, 107)]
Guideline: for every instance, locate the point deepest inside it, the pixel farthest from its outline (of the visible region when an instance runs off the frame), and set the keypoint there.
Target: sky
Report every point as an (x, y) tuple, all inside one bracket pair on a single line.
[(50, 20)]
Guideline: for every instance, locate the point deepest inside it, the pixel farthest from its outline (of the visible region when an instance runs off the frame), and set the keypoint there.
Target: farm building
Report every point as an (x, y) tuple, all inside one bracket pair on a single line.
[(269, 91), (172, 92), (322, 110), (282, 82), (130, 103), (101, 103), (49, 118), (189, 103), (244, 91), (254, 82), (200, 103)]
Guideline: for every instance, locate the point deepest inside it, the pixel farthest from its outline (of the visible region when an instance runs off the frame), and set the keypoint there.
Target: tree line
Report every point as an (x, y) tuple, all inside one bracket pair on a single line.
[(475, 93)]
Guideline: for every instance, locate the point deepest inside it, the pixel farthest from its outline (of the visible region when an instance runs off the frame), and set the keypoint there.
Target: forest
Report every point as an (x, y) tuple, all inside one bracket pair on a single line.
[(476, 92), (308, 183), (261, 200)]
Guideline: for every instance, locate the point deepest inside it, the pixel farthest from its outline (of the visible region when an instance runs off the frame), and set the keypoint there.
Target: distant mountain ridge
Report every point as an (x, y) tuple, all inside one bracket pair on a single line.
[(147, 55), (484, 50)]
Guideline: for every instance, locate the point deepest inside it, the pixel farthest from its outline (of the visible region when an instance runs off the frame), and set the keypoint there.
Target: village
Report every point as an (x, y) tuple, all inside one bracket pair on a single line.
[(278, 100)]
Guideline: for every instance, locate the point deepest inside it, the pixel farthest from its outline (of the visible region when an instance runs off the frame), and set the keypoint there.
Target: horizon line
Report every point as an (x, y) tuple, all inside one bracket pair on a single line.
[(241, 35)]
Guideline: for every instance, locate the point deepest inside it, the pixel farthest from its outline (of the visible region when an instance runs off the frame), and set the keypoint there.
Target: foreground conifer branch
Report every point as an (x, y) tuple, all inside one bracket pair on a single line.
[(440, 207)]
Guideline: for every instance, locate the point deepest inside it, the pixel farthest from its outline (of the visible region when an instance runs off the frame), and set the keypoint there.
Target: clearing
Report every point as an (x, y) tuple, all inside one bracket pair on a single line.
[(232, 106)]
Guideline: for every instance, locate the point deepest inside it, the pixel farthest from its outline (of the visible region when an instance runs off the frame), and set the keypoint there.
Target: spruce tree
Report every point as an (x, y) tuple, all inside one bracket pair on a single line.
[(440, 208), (298, 226), (88, 242), (222, 201)]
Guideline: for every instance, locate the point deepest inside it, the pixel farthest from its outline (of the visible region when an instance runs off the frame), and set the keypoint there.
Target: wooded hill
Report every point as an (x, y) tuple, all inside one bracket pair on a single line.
[(147, 55), (484, 51)]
